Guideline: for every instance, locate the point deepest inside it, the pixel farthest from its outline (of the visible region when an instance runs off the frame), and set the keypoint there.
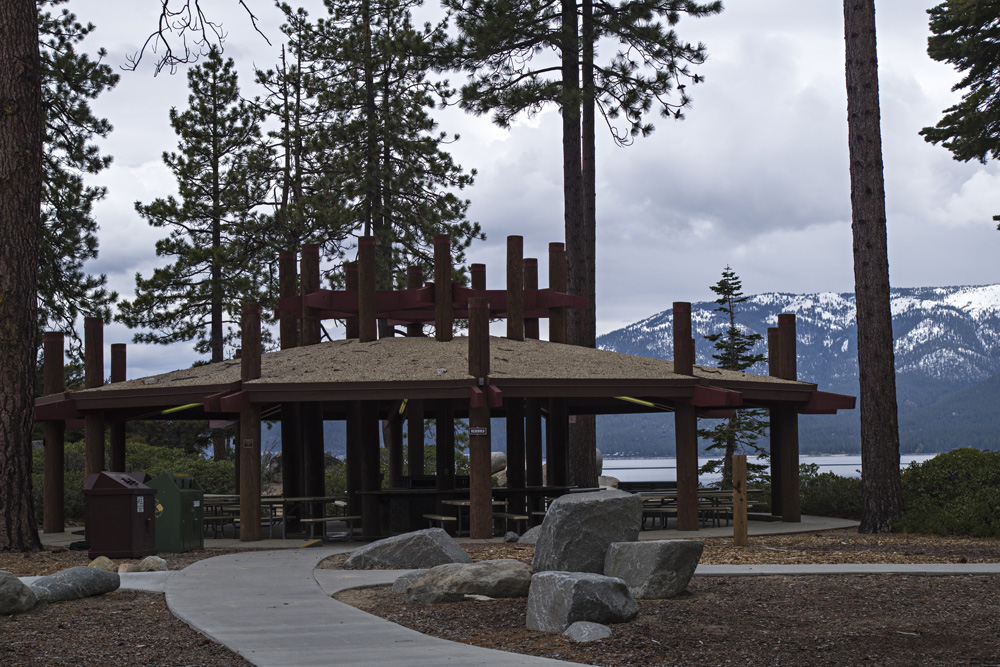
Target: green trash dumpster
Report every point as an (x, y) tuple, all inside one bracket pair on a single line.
[(179, 513)]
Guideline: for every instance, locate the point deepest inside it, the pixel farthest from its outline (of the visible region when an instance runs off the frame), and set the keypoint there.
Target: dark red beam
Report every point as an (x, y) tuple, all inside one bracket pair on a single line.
[(827, 403)]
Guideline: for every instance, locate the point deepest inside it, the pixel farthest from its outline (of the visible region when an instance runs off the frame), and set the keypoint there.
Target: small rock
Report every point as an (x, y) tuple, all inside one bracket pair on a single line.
[(510, 536), (150, 564), (654, 570), (498, 462), (124, 567), (404, 581), (585, 631), (530, 536), (15, 596), (103, 563), (607, 482)]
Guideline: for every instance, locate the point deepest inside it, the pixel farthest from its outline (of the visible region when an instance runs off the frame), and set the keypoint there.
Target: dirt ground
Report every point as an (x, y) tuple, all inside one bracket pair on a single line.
[(890, 619)]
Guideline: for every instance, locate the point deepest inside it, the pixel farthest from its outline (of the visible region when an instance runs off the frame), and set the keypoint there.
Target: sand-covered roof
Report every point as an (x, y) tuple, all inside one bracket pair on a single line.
[(425, 360)]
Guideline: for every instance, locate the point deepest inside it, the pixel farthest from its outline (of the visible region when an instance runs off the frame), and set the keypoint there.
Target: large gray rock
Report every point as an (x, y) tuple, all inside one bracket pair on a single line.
[(75, 583), (585, 631), (556, 600), (530, 536), (15, 596), (607, 482), (505, 578), (422, 548), (404, 581), (498, 462), (599, 460), (654, 570), (579, 527)]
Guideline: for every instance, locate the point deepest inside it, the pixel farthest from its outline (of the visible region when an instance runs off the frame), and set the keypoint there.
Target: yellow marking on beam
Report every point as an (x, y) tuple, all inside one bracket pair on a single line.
[(402, 407), (310, 543), (179, 408), (629, 399)]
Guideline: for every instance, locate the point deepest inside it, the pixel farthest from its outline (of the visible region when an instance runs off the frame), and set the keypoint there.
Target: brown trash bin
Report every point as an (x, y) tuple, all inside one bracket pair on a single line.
[(120, 515)]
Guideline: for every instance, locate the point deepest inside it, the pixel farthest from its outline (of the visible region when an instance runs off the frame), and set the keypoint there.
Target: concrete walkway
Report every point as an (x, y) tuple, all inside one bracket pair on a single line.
[(275, 609)]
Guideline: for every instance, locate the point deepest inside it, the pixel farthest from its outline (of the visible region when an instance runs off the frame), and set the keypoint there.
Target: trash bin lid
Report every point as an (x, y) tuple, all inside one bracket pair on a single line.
[(118, 482)]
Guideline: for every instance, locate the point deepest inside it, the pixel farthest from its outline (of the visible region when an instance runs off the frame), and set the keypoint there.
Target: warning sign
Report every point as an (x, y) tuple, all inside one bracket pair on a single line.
[(479, 430)]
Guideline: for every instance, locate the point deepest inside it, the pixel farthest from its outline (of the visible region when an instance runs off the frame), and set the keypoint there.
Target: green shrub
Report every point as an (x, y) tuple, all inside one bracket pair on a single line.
[(827, 494), (956, 493)]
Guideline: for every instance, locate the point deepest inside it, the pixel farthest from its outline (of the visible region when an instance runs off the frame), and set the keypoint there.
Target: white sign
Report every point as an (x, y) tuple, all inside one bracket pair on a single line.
[(140, 504)]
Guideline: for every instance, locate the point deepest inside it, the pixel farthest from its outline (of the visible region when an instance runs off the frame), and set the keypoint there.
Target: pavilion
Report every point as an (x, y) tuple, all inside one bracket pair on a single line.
[(536, 386)]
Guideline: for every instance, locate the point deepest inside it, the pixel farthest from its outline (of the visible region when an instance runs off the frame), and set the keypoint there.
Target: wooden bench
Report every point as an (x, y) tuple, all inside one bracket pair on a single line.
[(441, 519), (660, 514), (324, 522), (520, 520), (217, 523)]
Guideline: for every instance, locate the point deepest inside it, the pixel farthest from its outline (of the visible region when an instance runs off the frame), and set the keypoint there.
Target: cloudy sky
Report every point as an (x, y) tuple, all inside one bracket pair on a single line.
[(755, 177)]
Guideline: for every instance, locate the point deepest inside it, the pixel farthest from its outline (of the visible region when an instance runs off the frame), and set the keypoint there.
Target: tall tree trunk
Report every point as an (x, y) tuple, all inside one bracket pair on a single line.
[(881, 496), (581, 260), (20, 205)]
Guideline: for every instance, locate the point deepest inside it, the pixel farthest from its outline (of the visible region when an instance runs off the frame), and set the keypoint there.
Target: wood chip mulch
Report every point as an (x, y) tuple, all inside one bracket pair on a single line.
[(836, 620)]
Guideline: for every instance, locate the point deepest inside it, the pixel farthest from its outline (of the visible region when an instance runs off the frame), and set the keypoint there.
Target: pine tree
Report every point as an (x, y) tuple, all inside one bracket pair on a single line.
[(68, 232), (881, 496), (964, 34), (498, 44), (734, 351), (221, 174)]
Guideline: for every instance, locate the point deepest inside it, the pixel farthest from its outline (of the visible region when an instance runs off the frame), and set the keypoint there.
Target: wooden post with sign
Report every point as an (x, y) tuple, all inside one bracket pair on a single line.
[(481, 486), (739, 500), (250, 428), (685, 424)]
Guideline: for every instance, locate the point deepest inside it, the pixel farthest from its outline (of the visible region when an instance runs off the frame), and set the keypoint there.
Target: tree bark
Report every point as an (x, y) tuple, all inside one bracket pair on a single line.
[(881, 495), (20, 202)]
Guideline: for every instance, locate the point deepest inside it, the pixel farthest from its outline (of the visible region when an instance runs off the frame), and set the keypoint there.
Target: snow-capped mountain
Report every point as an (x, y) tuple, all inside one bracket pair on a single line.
[(947, 355)]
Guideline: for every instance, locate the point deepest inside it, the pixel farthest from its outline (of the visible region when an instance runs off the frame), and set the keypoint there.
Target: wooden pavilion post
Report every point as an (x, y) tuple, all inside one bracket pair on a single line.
[(444, 419), (292, 466), (515, 287), (415, 408), (557, 443), (685, 423), (352, 327), (477, 276), (53, 478), (371, 476), (116, 428), (788, 424), (532, 406), (443, 311), (557, 282), (480, 487), (355, 449), (774, 370), (311, 414), (739, 500), (414, 280), (367, 321), (250, 360), (93, 428), (531, 328), (394, 422), (514, 407)]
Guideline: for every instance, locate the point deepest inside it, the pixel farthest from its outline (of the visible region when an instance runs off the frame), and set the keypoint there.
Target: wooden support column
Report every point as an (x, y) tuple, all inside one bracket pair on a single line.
[(515, 287), (531, 328), (367, 321), (116, 428), (533, 450), (477, 276), (355, 447), (415, 437), (250, 428), (774, 451), (480, 486), (351, 324), (53, 477), (371, 475), (444, 318), (685, 423), (444, 414), (514, 407), (93, 427), (557, 443), (739, 500), (414, 279), (292, 466), (395, 444), (788, 424), (557, 282), (310, 283)]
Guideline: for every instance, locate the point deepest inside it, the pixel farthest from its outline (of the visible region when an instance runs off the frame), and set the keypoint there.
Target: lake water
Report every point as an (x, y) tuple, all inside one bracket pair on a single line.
[(665, 469)]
